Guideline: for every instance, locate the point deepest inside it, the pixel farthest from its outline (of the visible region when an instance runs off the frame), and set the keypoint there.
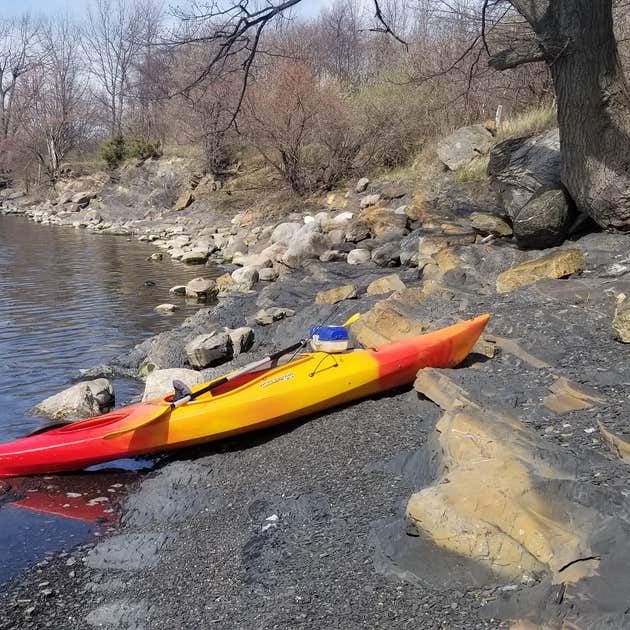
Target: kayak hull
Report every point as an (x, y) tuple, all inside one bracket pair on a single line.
[(310, 384)]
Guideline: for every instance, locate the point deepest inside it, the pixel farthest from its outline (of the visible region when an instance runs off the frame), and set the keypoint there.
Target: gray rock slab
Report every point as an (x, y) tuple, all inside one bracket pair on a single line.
[(127, 552), (121, 614)]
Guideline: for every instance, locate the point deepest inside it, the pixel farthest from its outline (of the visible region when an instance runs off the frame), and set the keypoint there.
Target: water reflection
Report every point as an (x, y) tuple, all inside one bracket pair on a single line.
[(40, 515), (69, 300)]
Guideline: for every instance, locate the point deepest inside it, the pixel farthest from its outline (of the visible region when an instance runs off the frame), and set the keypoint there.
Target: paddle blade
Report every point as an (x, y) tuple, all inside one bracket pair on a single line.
[(351, 320), (157, 415)]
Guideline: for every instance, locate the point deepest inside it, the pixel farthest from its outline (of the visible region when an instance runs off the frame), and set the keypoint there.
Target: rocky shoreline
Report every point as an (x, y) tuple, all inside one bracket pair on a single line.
[(482, 497)]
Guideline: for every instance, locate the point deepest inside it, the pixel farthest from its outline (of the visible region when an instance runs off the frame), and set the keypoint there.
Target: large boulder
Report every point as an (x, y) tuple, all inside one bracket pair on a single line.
[(285, 232), (83, 400), (544, 221), (464, 145), (527, 521), (246, 277), (160, 382), (209, 350), (520, 167), (307, 243), (242, 339)]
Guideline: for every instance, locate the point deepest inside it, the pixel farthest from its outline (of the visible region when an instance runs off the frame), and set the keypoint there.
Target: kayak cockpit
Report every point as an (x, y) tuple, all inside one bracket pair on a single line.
[(100, 421)]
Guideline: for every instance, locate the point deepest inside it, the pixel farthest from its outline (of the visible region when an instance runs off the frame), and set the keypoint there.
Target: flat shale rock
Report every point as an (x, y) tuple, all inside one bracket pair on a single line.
[(338, 294), (560, 264), (621, 321), (127, 552), (386, 284)]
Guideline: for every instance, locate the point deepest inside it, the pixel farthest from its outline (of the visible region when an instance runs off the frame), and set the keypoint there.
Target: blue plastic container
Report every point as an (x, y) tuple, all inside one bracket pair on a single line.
[(329, 333), (329, 338)]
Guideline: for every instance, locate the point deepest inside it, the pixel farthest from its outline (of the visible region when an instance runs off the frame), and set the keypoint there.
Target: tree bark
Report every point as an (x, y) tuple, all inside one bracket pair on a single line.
[(578, 43)]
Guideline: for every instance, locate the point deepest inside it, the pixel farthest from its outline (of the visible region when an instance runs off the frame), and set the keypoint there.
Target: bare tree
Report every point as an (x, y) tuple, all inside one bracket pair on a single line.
[(17, 58), (148, 84), (235, 32), (56, 108), (112, 42), (203, 112), (340, 44)]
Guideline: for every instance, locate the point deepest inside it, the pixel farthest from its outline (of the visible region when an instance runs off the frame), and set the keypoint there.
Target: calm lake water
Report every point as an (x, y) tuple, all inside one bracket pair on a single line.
[(69, 300)]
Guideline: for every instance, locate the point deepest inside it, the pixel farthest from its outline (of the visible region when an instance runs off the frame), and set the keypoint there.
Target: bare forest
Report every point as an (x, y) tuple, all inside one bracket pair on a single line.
[(361, 86)]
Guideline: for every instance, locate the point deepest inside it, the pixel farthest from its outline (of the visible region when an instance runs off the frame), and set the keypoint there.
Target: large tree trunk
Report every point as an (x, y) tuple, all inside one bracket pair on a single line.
[(578, 44)]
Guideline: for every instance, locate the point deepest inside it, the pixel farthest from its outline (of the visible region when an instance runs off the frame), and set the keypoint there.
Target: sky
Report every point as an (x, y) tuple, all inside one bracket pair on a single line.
[(307, 8)]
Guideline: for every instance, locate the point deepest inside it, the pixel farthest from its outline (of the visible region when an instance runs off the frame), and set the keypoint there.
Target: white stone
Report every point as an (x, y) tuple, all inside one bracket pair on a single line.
[(246, 277), (343, 217), (359, 256), (166, 308), (284, 233), (362, 185)]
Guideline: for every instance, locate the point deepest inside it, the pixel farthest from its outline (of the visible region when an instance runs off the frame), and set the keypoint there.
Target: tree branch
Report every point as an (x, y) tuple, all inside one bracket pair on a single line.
[(386, 27), (510, 58)]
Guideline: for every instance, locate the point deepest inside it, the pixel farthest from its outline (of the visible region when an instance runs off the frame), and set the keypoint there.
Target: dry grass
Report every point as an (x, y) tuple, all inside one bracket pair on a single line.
[(185, 151), (527, 123), (476, 171)]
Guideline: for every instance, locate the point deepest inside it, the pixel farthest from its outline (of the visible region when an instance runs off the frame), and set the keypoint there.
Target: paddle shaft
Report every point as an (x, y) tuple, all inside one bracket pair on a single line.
[(250, 367)]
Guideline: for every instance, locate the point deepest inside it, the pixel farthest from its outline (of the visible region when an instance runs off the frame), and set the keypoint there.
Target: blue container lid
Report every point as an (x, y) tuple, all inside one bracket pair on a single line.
[(329, 333)]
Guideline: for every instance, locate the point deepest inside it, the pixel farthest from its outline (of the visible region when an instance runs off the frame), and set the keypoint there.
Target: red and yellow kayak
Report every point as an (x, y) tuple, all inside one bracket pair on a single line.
[(309, 384)]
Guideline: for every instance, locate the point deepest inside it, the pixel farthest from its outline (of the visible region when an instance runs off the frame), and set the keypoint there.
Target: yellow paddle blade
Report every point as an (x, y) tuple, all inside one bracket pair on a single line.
[(351, 320), (143, 423)]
